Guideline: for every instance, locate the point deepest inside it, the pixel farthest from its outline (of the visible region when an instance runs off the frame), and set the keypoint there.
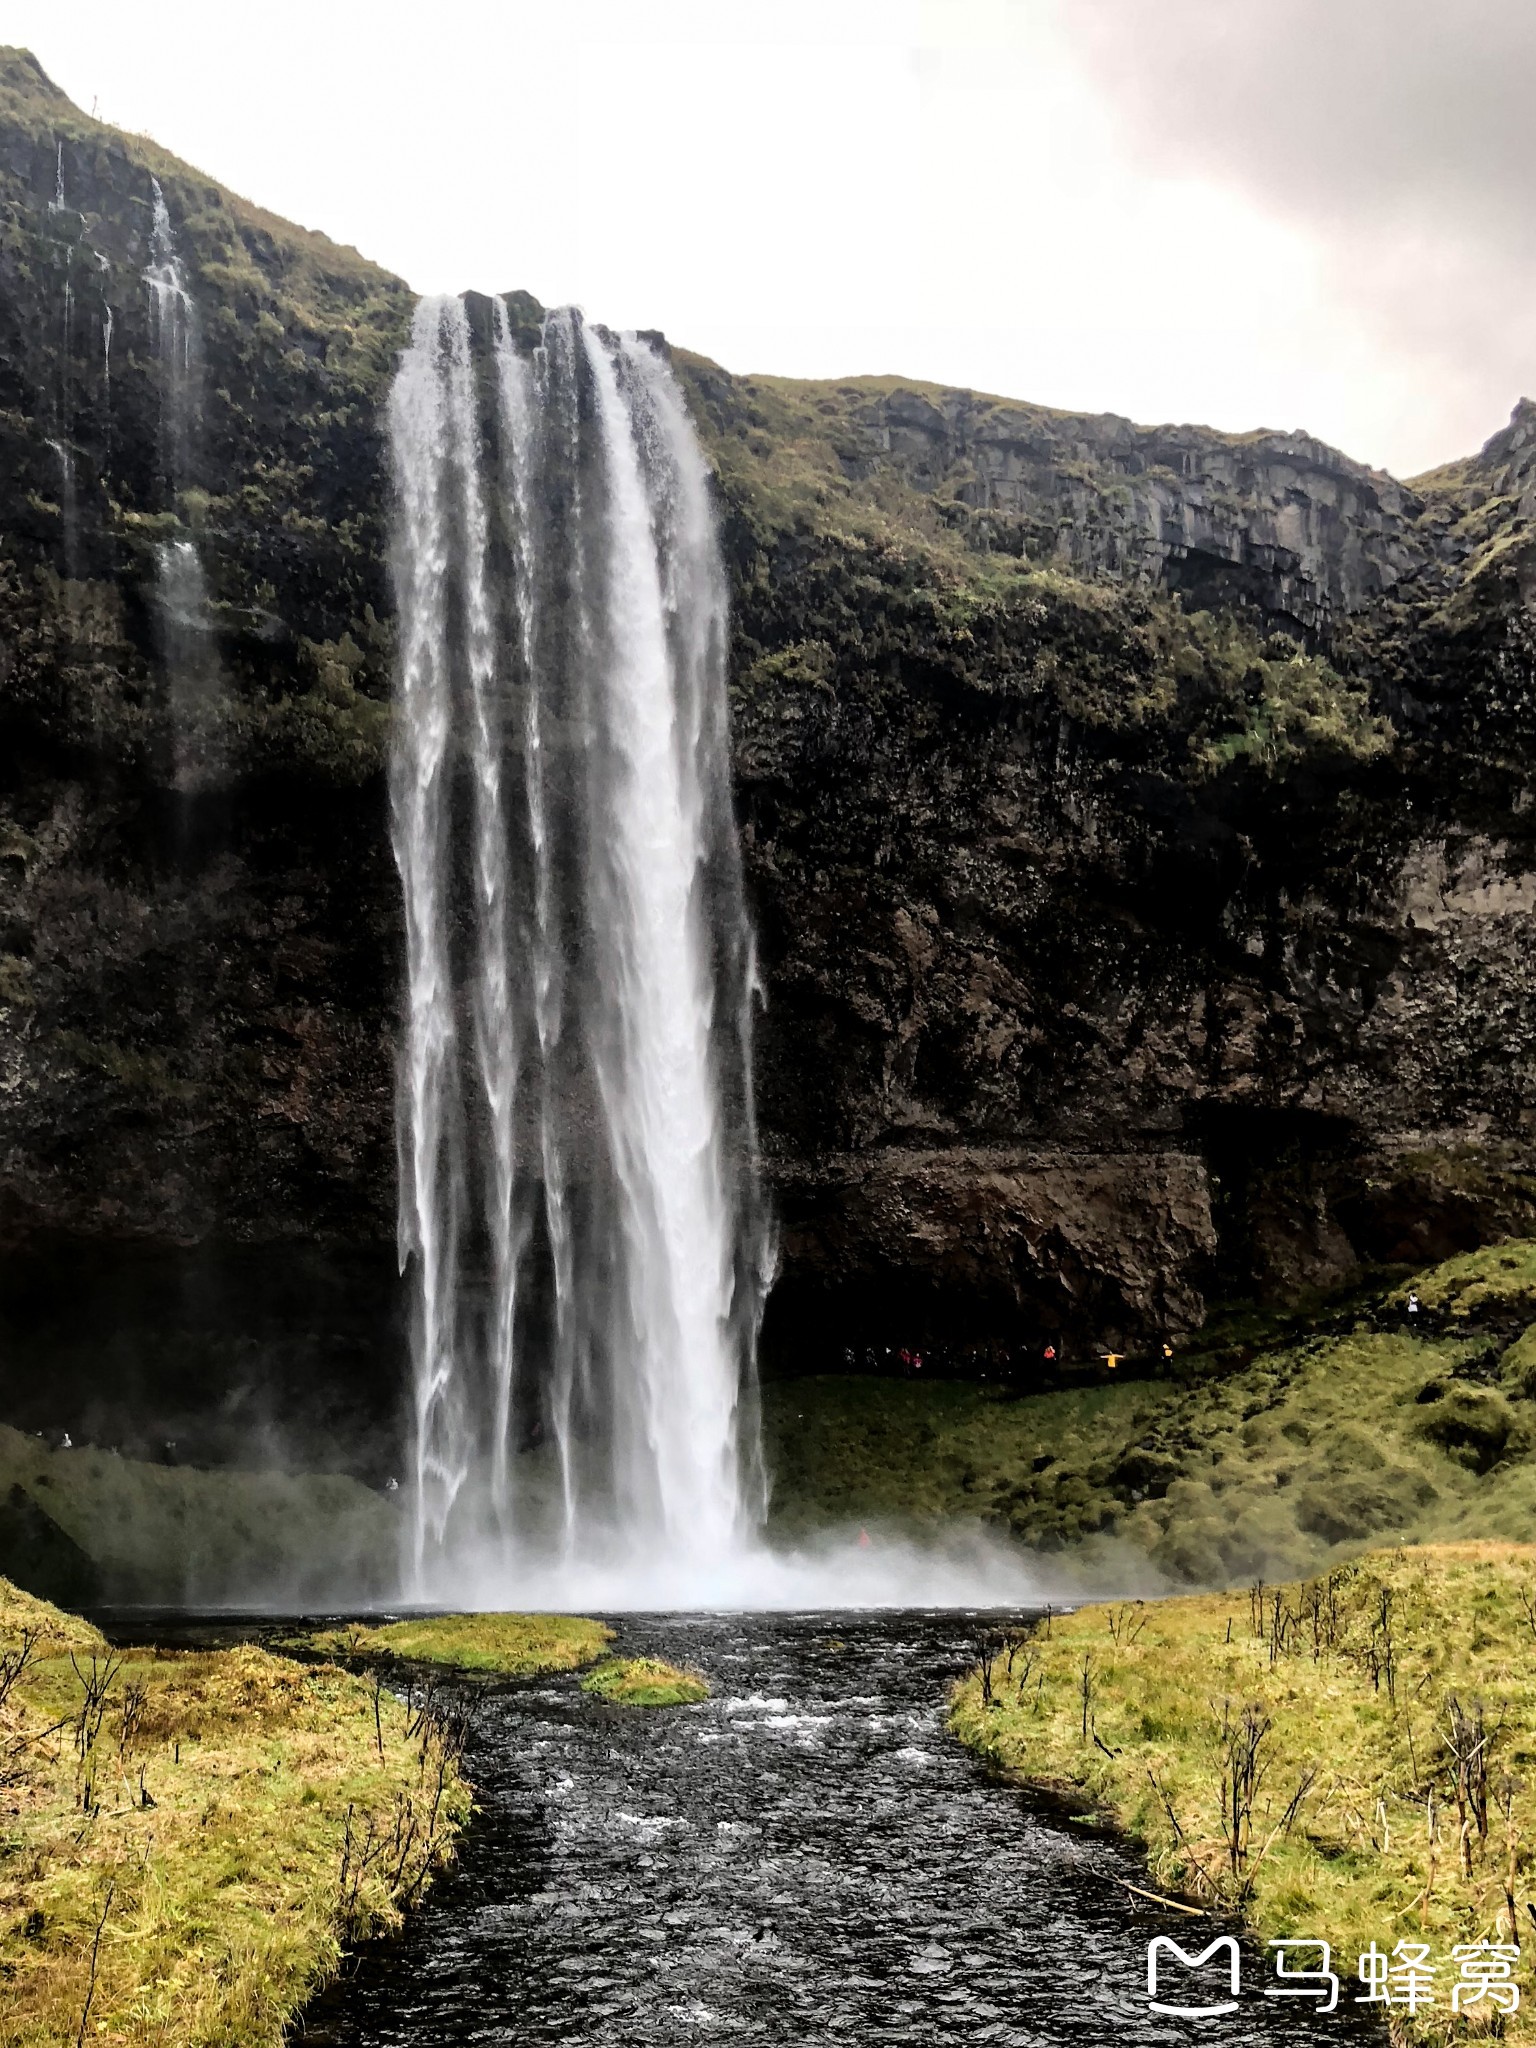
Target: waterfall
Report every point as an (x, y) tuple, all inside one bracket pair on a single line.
[(195, 697), (173, 318), (189, 652), (69, 510), (580, 1211)]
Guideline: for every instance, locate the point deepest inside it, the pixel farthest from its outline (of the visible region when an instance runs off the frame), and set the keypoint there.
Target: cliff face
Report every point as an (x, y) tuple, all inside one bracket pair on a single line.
[(1228, 927), (1137, 822), (193, 926), (1279, 523), (197, 914)]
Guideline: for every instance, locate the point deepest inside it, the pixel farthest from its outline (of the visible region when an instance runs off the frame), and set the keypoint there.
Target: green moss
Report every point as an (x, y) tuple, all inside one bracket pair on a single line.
[(343, 743), (645, 1682), (188, 1864), (1495, 1278), (17, 846), (1476, 1425), (499, 1645), (1312, 1449), (143, 1073), (1282, 706), (1491, 1181), (1352, 1686), (16, 982), (1518, 1364)]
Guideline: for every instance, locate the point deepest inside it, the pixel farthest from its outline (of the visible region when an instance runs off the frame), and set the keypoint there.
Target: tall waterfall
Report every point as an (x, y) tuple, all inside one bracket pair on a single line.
[(580, 1210)]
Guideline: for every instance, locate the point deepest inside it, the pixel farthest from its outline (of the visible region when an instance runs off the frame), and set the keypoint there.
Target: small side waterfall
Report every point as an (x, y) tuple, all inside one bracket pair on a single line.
[(69, 508), (189, 647), (580, 1207), (174, 328)]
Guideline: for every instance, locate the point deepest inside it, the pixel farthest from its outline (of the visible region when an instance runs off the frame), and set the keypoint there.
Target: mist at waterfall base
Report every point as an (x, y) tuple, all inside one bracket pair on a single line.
[(582, 1223)]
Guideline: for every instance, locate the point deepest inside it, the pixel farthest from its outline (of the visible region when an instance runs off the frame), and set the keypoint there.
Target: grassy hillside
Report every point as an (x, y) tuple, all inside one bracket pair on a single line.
[(1346, 1760), (89, 1526), (1302, 1455)]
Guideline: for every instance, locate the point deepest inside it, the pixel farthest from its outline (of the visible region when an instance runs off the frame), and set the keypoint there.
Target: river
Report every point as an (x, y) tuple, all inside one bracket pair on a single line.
[(807, 1857)]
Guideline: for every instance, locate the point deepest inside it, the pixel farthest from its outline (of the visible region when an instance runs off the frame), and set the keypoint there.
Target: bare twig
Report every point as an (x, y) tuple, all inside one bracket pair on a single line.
[(1243, 1773), (14, 1662), (90, 1989), (1086, 1689), (1197, 1912)]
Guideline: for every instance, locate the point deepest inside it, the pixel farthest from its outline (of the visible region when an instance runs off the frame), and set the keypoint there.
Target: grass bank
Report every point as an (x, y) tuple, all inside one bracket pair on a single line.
[(1297, 1457), (189, 1838), (491, 1645), (645, 1682), (1347, 1758)]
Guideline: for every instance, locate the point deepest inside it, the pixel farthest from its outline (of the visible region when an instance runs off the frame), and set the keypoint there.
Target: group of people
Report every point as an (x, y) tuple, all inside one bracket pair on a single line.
[(994, 1361)]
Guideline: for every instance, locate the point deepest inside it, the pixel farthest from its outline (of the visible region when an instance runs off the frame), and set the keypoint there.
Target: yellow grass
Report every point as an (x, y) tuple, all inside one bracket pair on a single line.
[(1361, 1687), (501, 1645), (183, 1866), (645, 1682)]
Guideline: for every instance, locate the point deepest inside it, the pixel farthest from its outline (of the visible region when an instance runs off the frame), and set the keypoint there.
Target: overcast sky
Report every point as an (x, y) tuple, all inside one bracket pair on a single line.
[(1316, 213)]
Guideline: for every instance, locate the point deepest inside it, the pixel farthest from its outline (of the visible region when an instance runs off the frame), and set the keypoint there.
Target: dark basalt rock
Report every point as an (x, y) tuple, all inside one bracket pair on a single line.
[(1137, 820), (1049, 864)]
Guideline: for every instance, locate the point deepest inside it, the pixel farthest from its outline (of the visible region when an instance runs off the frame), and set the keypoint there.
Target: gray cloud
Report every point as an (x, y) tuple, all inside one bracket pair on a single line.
[(1391, 110), (1398, 134)]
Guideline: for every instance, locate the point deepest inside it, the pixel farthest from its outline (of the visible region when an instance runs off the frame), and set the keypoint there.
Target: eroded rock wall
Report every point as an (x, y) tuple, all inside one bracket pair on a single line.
[(1042, 864)]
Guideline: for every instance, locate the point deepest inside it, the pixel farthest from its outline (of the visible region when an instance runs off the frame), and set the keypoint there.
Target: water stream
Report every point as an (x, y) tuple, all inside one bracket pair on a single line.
[(804, 1858)]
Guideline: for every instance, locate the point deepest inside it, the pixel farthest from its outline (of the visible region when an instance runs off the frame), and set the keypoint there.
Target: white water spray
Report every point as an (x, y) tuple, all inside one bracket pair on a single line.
[(189, 651), (580, 1209)]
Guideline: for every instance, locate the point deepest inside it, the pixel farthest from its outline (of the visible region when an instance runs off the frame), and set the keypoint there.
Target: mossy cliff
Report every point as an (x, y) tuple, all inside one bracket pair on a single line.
[(196, 958), (1136, 820)]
